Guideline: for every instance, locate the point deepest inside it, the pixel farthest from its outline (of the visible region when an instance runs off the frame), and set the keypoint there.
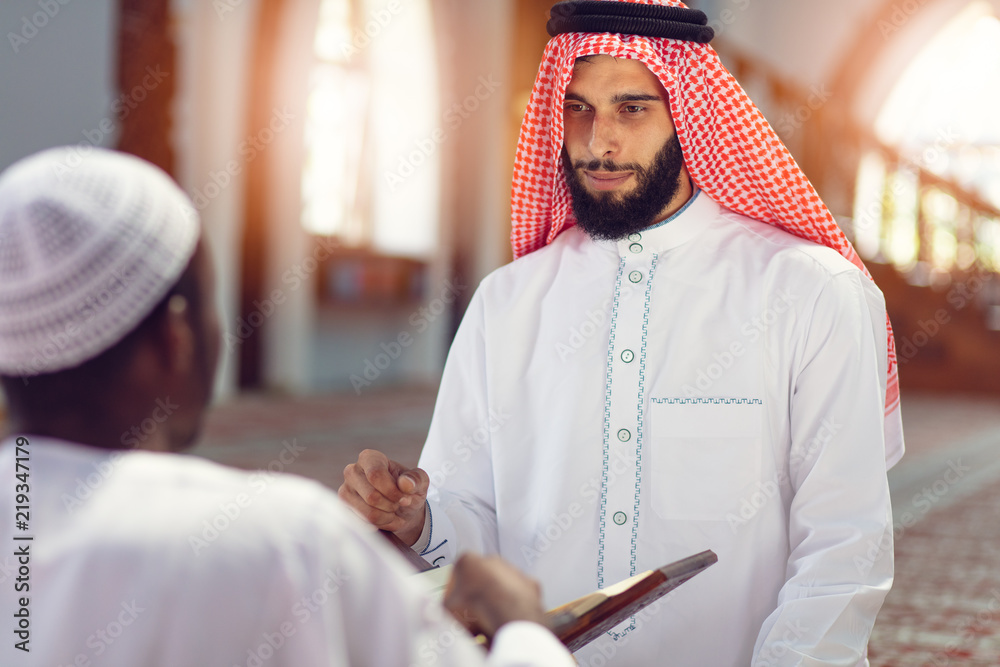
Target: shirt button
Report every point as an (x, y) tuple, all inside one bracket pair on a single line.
[(624, 435), (635, 276), (620, 518), (635, 237), (635, 248), (627, 356)]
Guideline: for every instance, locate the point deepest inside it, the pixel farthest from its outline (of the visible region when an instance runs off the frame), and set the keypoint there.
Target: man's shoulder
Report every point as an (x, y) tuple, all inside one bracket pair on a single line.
[(571, 240), (571, 248), (782, 246), (203, 481), (158, 497), (806, 267)]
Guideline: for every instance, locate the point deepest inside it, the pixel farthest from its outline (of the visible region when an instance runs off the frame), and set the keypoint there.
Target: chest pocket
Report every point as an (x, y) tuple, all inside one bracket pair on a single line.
[(705, 456)]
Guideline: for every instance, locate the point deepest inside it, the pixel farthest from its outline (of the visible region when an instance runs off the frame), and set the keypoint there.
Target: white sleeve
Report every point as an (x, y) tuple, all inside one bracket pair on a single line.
[(360, 605), (458, 453), (521, 644), (840, 565)]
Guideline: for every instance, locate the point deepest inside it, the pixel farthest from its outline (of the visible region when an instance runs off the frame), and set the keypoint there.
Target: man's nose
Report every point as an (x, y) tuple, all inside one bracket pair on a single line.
[(604, 137)]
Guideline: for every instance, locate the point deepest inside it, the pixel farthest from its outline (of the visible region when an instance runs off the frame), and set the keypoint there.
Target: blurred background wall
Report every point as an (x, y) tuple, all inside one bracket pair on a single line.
[(351, 159)]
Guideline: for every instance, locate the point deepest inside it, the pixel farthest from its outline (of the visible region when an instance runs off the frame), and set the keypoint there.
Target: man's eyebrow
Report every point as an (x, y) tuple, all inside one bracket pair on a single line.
[(635, 97), (619, 98)]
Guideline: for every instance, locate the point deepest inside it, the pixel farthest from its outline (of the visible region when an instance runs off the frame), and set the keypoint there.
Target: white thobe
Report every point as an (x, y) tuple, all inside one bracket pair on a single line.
[(145, 559), (710, 383)]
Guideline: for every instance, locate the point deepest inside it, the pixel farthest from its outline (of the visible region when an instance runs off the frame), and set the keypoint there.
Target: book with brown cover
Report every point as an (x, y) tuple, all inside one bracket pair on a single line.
[(581, 621)]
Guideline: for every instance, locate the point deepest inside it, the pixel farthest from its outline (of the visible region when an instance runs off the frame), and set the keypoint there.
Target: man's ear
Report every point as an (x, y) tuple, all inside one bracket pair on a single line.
[(180, 336)]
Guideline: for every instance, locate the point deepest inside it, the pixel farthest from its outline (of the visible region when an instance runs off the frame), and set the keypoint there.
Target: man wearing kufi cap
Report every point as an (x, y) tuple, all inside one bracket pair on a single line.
[(109, 339), (687, 354)]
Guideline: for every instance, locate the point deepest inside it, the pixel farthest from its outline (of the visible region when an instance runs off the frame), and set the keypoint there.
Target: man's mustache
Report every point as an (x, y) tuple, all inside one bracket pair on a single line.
[(607, 165)]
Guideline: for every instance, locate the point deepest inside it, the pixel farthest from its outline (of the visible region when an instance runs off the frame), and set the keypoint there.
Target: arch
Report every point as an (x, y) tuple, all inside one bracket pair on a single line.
[(884, 48), (918, 205), (314, 344)]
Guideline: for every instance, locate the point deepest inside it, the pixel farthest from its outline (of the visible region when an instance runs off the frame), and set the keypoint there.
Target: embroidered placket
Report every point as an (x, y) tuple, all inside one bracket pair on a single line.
[(623, 434)]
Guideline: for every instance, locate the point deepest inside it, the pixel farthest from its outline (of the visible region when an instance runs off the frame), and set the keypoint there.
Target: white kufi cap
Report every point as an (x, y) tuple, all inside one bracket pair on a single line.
[(89, 244)]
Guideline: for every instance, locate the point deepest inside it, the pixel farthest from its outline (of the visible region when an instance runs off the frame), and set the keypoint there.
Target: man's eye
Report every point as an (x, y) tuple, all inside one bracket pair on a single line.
[(576, 108), (634, 108)]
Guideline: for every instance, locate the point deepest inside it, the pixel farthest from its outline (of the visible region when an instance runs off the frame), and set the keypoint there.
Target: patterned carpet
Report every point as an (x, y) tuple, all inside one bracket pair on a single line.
[(944, 608)]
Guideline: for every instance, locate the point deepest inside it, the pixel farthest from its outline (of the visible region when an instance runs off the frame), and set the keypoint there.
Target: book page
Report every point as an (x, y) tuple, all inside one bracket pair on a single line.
[(436, 580)]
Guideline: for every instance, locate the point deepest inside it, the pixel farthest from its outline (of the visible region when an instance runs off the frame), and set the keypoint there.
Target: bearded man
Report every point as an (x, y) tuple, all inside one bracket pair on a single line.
[(687, 354)]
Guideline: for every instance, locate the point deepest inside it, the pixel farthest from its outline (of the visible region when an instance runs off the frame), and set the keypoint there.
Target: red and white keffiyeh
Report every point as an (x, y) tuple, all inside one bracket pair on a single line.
[(730, 150)]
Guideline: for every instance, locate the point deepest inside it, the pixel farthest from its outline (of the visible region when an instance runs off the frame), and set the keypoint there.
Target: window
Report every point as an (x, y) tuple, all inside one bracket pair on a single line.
[(372, 171), (934, 200)]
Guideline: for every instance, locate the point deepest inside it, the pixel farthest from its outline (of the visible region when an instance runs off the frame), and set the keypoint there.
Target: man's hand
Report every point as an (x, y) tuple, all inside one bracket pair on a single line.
[(485, 593), (386, 494)]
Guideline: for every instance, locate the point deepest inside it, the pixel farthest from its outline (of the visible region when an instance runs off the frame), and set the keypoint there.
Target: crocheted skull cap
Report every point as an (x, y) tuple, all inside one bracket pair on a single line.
[(89, 244)]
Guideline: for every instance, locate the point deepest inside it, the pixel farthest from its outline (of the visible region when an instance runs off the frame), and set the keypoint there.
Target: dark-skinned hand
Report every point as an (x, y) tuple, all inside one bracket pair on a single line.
[(386, 494)]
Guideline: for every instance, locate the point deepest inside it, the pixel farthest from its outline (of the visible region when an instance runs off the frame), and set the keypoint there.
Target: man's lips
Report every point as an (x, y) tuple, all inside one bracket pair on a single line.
[(607, 180)]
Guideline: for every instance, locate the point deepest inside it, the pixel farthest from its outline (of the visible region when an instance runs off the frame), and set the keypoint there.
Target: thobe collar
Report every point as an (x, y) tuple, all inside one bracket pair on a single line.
[(679, 228)]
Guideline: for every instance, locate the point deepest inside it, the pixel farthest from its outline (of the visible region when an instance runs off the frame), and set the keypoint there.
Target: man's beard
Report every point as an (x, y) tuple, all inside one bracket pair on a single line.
[(612, 215)]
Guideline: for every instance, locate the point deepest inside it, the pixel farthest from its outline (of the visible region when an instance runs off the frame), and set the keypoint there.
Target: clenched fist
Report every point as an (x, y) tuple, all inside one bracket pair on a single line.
[(485, 593)]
